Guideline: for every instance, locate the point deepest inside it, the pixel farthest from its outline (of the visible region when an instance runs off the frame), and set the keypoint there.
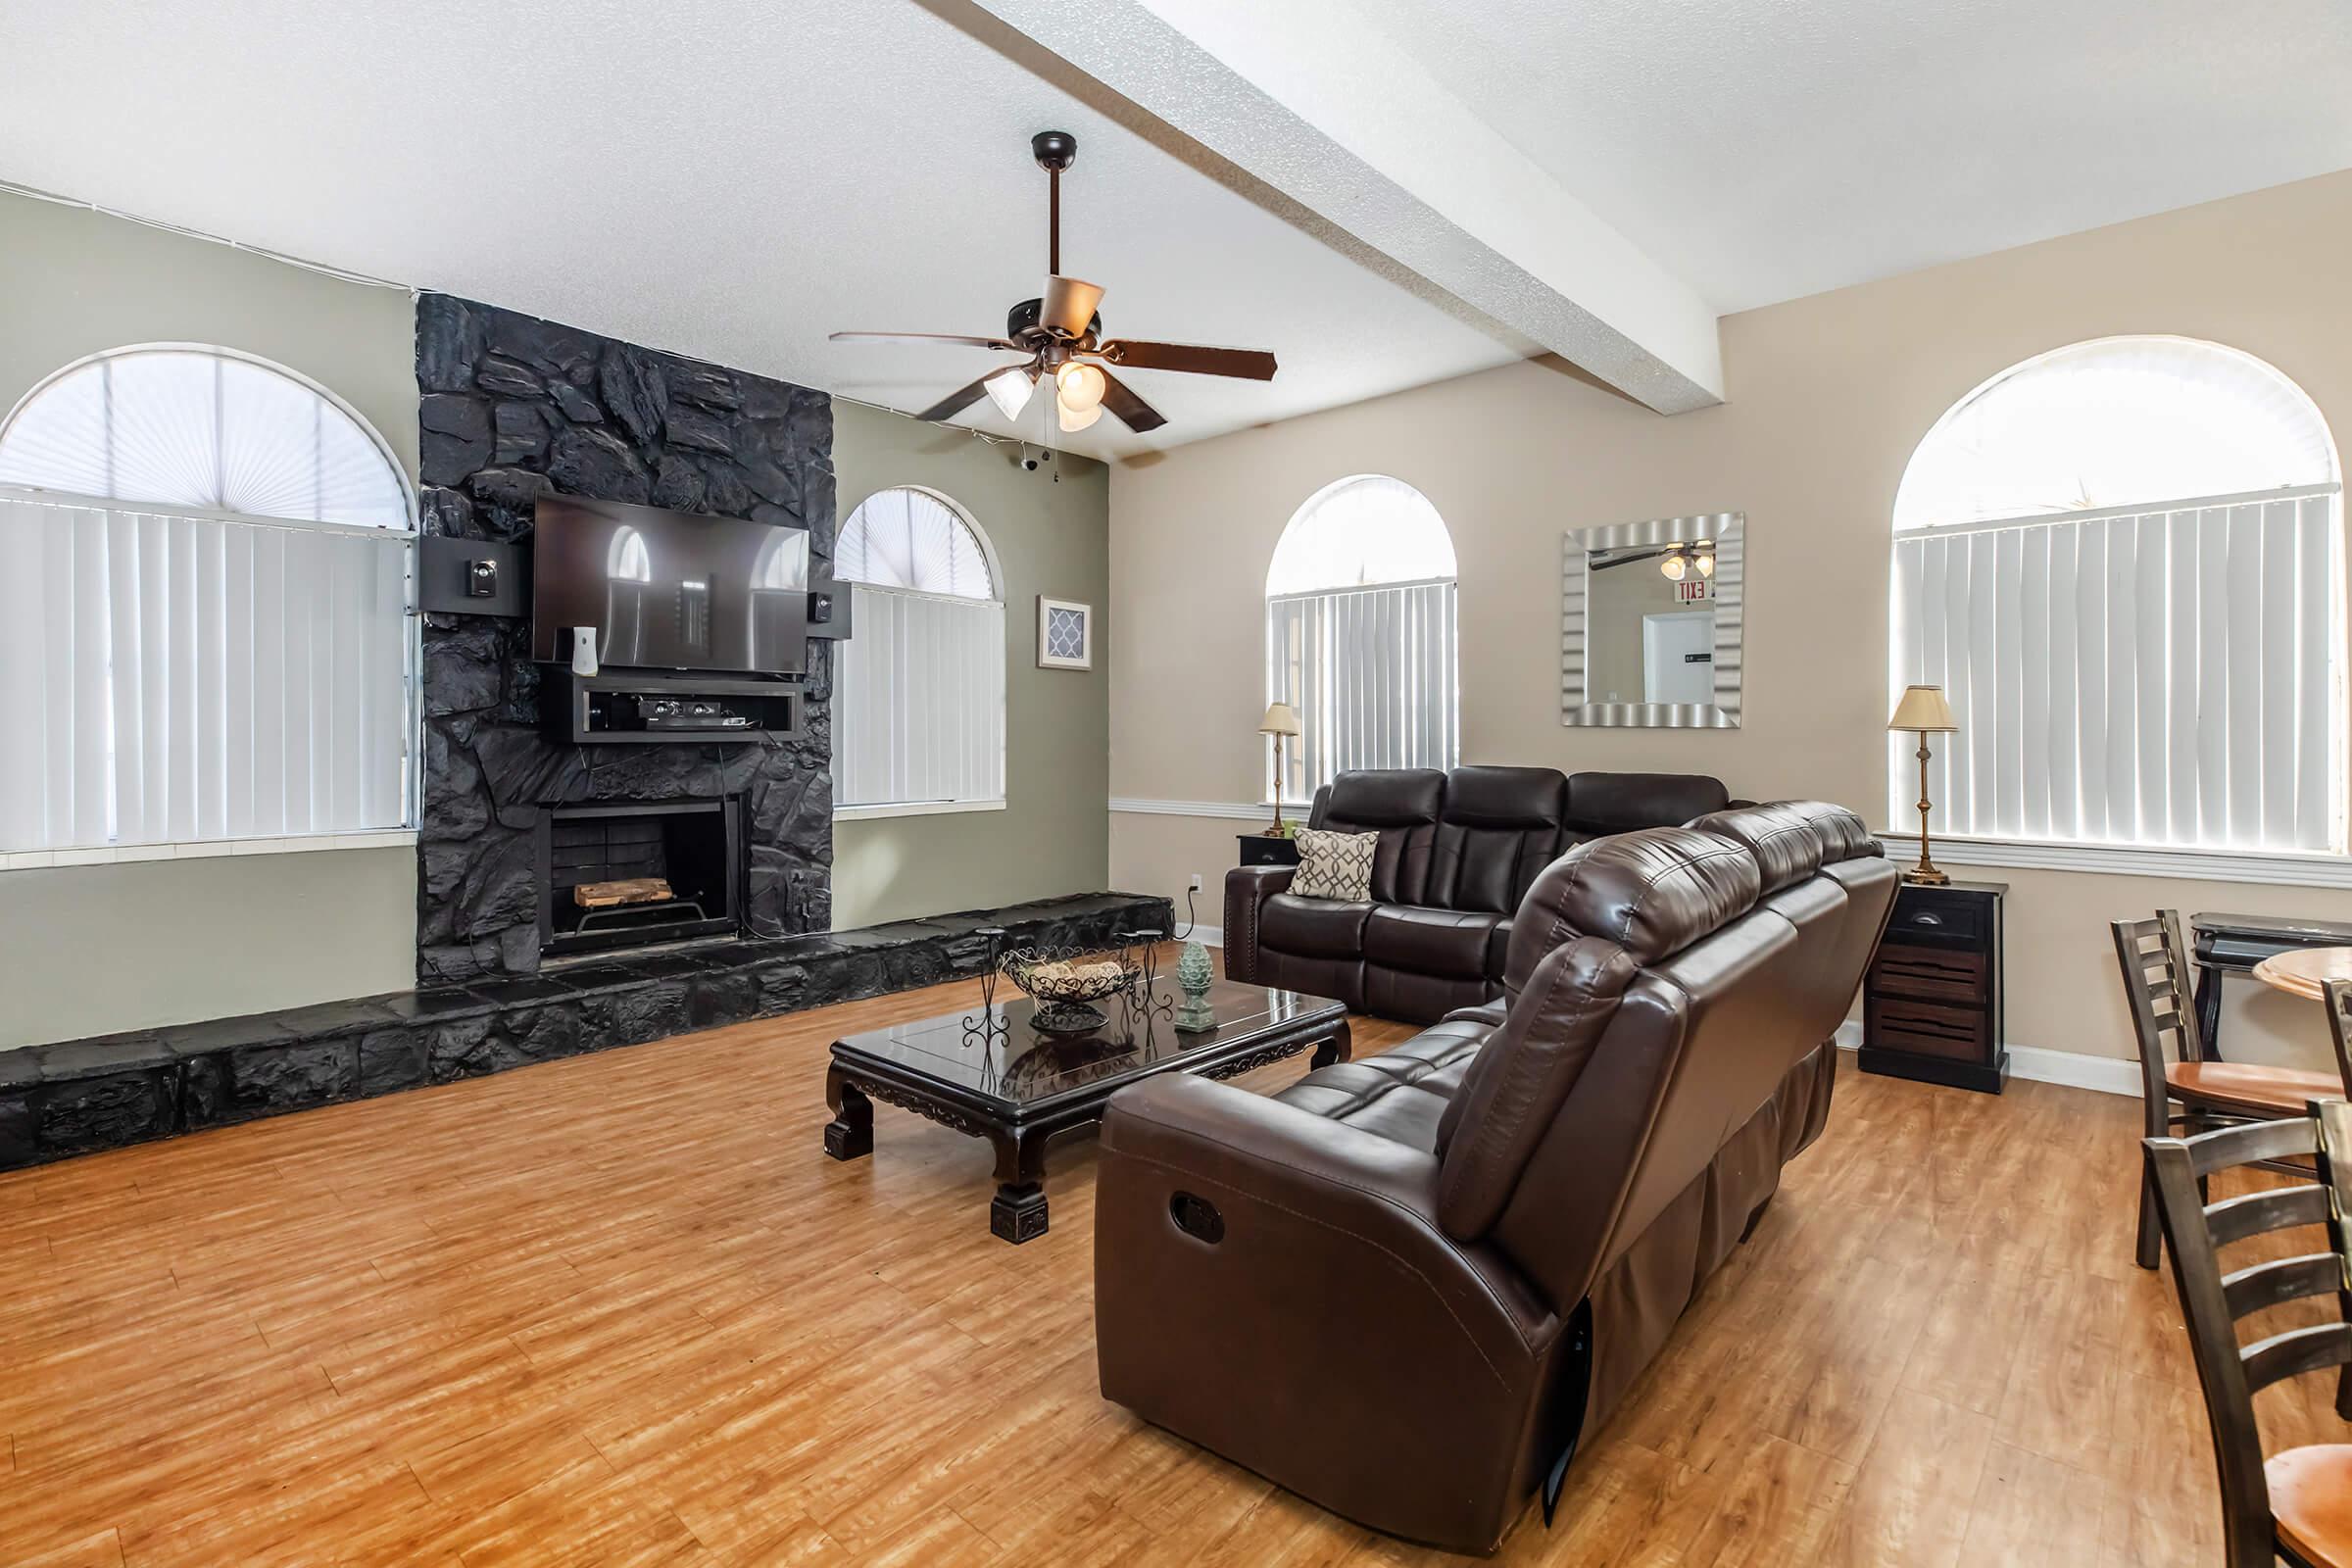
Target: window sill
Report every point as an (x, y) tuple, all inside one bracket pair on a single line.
[(868, 814), (202, 850), (1223, 810), (2301, 868)]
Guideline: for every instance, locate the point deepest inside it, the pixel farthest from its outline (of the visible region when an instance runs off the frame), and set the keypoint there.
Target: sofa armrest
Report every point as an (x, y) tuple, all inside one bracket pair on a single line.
[(1243, 1245), (1490, 1014), (1246, 889)]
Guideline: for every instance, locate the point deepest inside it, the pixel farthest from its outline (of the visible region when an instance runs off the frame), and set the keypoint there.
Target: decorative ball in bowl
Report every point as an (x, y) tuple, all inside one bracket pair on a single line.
[(1065, 985)]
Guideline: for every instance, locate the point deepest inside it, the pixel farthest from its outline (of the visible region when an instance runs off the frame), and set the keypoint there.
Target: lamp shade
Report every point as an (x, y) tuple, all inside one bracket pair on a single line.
[(1924, 710), (1281, 719)]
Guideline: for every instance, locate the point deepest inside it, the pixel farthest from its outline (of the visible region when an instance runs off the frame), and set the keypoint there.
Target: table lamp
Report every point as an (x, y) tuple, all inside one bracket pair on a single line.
[(1922, 712), (1281, 719)]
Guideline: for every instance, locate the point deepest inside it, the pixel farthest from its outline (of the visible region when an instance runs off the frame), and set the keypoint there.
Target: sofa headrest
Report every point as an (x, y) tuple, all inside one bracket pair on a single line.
[(1650, 892), (1518, 798), (1843, 835), (1785, 843), (1614, 803), (1387, 797)]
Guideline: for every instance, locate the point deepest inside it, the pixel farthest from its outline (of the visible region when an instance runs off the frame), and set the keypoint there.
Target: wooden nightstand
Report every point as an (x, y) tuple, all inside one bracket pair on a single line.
[(1932, 1002), (1259, 850)]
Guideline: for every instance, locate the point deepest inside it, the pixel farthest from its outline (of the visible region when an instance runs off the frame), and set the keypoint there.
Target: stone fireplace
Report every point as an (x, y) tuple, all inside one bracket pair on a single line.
[(513, 407)]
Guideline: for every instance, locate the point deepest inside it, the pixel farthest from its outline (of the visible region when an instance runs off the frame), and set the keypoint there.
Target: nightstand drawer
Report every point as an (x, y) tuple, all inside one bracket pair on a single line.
[(1925, 1029), (1929, 914), (1915, 969)]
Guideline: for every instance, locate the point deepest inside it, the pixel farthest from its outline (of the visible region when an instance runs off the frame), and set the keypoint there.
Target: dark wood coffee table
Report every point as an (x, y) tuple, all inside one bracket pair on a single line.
[(1020, 1089)]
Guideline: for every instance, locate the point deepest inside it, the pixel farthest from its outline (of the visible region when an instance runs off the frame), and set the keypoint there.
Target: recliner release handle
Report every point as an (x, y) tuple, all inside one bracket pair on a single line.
[(1197, 1218)]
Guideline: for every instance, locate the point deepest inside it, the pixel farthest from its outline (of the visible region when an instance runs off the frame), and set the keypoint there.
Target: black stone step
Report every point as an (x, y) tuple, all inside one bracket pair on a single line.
[(81, 1095)]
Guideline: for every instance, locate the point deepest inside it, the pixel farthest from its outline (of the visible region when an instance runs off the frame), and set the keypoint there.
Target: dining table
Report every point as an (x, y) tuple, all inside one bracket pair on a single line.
[(2305, 971)]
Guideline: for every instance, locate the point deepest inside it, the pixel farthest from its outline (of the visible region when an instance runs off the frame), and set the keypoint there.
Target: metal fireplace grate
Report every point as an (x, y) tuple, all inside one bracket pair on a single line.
[(694, 846)]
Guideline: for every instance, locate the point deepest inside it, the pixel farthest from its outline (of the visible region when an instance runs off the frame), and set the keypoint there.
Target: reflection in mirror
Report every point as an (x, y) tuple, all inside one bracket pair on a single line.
[(1650, 623)]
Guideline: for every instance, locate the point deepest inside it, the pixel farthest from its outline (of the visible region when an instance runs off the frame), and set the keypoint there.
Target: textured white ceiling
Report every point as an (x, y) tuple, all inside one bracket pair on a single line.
[(731, 179), (1769, 149)]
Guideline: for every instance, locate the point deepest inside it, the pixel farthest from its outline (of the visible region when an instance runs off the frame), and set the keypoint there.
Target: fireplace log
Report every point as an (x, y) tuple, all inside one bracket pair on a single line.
[(631, 890)]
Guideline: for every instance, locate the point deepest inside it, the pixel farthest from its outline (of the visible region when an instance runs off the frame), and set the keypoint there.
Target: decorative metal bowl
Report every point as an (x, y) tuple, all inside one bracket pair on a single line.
[(1065, 985)]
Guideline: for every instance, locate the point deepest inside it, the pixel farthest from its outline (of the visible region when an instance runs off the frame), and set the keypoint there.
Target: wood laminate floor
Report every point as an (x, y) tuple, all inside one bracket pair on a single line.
[(619, 1310)]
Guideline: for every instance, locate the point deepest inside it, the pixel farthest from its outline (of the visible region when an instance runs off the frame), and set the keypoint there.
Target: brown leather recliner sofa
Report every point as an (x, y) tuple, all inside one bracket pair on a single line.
[(1458, 852), (1404, 1286)]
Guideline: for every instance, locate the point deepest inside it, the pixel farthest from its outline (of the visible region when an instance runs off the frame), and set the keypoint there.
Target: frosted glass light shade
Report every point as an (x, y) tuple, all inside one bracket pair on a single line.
[(1672, 566), (1010, 389), (1075, 419), (202, 428), (1080, 386)]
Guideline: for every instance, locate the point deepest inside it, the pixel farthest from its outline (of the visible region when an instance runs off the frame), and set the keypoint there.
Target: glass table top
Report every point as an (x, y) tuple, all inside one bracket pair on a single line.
[(1020, 1066)]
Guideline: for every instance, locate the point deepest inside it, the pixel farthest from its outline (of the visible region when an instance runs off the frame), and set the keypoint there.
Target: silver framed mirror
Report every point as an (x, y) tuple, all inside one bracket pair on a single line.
[(1651, 621)]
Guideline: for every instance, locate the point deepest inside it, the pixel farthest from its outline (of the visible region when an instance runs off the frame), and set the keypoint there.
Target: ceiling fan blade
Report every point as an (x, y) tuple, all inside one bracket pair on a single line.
[(1132, 411), (956, 402), (1254, 364), (920, 337), (1623, 558), (1069, 305)]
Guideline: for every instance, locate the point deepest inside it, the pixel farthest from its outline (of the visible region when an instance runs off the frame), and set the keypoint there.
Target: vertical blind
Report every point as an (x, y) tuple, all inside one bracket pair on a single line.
[(174, 678), (2163, 677), (919, 705), (1371, 671)]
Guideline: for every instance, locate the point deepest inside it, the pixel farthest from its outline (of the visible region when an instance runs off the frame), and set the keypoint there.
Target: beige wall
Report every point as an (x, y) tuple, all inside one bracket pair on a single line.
[(1828, 397), (89, 950), (1050, 534)]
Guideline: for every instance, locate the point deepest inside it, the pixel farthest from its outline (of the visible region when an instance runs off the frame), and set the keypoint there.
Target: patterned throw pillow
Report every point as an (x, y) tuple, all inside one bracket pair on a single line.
[(1335, 865)]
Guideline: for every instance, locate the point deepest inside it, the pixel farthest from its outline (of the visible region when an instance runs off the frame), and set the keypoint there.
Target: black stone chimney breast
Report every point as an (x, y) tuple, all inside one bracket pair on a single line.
[(513, 407)]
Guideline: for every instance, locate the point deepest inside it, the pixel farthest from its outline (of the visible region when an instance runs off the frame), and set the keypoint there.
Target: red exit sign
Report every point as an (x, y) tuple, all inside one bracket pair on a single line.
[(1692, 589)]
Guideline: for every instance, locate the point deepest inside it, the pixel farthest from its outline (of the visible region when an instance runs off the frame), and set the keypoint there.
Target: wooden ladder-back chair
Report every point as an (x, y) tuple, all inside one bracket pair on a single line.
[(2208, 1093), (2297, 1504)]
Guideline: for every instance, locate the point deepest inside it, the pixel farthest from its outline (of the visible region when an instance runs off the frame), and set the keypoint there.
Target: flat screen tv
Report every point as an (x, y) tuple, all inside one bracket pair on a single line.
[(666, 590)]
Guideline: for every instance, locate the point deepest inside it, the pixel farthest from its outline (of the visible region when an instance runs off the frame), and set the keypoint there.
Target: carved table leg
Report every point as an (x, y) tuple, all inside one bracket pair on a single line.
[(1340, 1047), (850, 1135), (1017, 1212)]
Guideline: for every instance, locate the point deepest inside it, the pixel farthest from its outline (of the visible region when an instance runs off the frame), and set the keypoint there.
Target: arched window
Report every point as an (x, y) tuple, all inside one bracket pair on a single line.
[(920, 702), (204, 625), (2123, 561), (1360, 632)]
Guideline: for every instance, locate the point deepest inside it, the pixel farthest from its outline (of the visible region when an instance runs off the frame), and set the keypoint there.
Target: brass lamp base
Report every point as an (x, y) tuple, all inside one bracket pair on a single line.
[(1925, 875)]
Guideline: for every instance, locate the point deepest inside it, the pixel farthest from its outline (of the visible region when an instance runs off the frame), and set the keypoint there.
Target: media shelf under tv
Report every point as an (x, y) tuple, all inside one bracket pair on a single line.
[(656, 708)]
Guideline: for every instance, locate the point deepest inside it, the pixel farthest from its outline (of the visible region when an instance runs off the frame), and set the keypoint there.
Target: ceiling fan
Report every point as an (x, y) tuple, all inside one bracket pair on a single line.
[(1060, 335)]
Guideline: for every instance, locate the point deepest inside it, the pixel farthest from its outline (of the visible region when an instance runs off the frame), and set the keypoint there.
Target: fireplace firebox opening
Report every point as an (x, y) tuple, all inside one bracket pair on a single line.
[(694, 847)]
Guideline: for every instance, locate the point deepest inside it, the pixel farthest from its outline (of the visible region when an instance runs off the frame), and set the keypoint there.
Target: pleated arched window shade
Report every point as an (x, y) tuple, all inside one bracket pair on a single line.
[(203, 621)]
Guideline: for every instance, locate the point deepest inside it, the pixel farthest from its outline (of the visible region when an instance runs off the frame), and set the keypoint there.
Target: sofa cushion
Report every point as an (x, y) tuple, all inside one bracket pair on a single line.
[(1499, 827), (1313, 929), (1401, 1094), (1441, 942), (1651, 893), (1601, 804), (1402, 805), (1787, 847), (1335, 865)]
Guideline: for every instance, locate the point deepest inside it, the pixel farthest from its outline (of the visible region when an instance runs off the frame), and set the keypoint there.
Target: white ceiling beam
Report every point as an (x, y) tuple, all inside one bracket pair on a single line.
[(1307, 97)]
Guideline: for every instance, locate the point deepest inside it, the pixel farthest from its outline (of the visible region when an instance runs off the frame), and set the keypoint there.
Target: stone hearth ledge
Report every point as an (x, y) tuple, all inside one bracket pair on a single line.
[(83, 1095)]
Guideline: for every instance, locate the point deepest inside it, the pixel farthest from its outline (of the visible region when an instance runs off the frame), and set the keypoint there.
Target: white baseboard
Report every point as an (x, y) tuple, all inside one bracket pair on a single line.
[(1208, 936), (2106, 1075)]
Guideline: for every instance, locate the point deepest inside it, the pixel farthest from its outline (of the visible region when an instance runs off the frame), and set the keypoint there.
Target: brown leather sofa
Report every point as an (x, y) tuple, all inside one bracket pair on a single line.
[(1405, 1286), (1458, 852)]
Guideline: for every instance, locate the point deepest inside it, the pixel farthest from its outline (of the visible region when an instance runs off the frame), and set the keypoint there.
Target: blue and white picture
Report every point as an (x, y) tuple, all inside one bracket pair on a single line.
[(1066, 634)]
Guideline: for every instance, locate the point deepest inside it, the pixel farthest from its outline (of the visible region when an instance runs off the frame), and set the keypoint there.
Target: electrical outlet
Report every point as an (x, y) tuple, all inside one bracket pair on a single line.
[(1196, 882)]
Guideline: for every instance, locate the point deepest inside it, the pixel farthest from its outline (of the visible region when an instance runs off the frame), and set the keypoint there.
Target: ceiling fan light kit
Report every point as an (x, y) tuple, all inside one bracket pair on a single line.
[(1060, 333)]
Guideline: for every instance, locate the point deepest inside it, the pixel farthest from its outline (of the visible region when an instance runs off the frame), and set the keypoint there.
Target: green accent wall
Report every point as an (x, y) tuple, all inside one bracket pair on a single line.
[(1052, 534)]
